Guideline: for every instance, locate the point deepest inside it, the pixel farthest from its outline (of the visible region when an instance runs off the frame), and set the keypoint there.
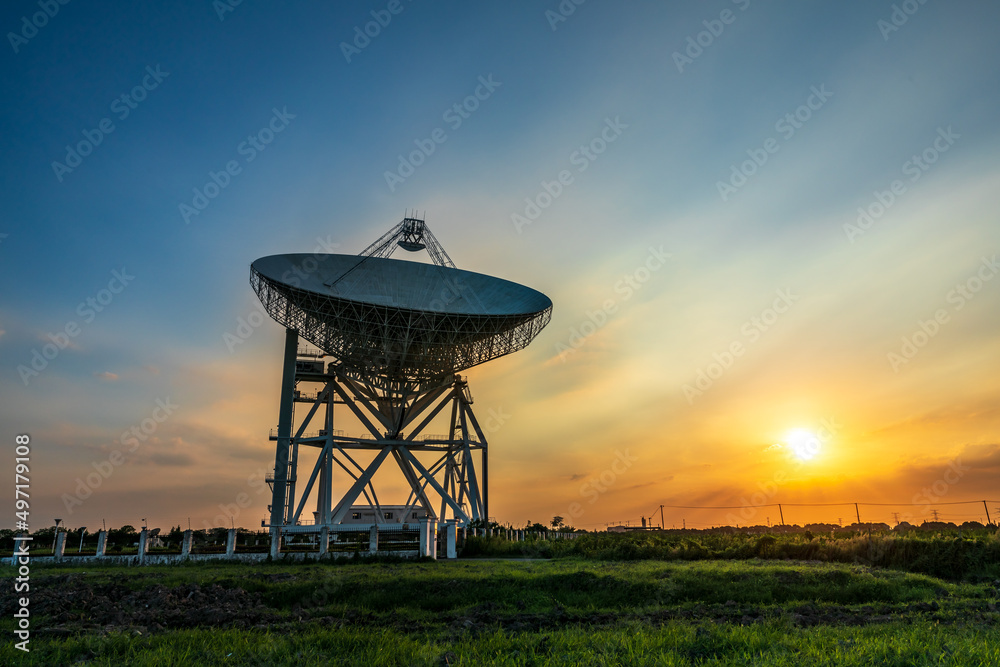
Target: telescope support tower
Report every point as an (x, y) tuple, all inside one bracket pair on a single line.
[(446, 473)]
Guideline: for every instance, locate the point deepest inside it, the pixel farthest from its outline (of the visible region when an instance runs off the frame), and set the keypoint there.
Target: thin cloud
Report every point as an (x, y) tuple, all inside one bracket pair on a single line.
[(64, 340)]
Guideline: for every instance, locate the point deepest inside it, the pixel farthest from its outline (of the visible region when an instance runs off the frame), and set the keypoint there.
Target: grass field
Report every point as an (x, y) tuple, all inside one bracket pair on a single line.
[(505, 612), (970, 555)]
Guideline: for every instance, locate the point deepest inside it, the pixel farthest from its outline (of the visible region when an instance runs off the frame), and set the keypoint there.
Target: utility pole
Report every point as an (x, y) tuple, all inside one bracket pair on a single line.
[(895, 517), (662, 525), (781, 514), (935, 513), (857, 512), (988, 521)]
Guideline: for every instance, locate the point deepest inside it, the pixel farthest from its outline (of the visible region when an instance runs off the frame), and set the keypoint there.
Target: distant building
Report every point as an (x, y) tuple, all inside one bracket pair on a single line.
[(365, 515)]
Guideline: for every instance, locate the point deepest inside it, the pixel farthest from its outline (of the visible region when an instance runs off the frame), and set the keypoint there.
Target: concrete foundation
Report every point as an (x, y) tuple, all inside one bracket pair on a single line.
[(231, 542), (451, 550), (102, 542), (275, 543), (324, 541)]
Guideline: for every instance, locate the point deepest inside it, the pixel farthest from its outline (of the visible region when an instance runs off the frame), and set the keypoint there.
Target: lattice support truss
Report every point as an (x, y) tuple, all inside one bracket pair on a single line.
[(446, 473), (411, 234)]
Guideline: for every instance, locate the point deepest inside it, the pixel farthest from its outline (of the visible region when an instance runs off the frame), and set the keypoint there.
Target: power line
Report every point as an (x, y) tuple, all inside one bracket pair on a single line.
[(739, 507)]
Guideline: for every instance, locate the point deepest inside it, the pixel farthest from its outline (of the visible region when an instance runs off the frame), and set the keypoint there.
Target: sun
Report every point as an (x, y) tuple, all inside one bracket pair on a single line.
[(803, 444)]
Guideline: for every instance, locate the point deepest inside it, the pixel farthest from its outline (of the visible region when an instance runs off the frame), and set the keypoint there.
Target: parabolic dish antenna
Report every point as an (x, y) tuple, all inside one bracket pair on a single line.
[(398, 319)]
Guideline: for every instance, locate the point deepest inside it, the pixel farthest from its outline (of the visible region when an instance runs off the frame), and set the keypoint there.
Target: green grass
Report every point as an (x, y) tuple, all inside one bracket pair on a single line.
[(473, 612), (772, 644), (972, 555)]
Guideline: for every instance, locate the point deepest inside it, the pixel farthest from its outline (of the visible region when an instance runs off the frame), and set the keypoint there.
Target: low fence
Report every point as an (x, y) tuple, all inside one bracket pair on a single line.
[(294, 543), (523, 535)]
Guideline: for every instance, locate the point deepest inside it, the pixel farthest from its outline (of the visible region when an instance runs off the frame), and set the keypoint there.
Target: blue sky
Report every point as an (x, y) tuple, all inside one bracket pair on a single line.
[(555, 87)]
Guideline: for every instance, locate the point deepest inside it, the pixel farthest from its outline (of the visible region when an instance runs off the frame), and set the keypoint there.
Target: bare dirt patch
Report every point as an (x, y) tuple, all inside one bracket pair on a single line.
[(70, 603)]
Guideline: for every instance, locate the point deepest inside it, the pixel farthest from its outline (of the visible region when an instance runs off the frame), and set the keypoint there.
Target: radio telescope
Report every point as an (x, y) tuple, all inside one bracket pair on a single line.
[(398, 333)]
